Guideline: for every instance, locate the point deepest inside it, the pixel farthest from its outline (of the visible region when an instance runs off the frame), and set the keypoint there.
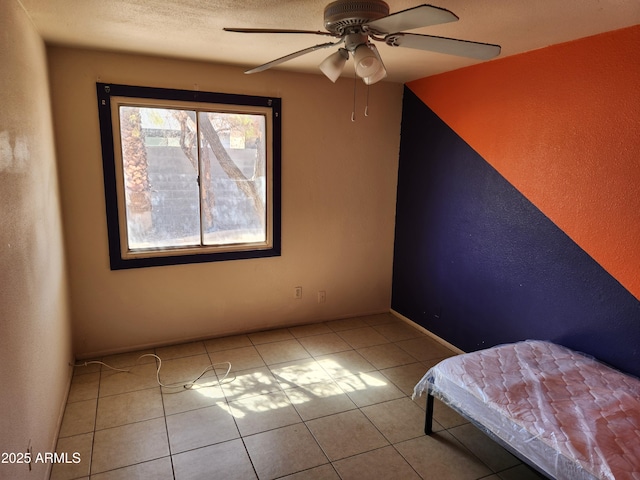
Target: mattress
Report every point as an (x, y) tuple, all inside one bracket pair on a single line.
[(565, 413)]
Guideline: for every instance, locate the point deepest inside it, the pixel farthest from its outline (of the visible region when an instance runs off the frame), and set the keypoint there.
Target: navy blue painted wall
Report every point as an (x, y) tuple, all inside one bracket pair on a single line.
[(478, 265)]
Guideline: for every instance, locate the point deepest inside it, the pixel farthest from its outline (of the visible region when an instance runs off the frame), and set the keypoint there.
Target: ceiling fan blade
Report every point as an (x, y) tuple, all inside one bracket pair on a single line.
[(450, 46), (276, 30), (291, 56), (416, 17)]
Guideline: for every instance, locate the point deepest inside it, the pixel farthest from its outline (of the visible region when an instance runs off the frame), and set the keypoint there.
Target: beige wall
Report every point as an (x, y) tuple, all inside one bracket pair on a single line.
[(338, 207), (35, 333)]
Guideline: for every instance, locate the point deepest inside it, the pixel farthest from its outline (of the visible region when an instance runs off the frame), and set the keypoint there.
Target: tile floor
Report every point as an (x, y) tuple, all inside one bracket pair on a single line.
[(324, 401)]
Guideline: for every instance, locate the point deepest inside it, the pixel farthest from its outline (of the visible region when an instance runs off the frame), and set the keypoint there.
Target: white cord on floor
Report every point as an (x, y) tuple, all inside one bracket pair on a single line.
[(86, 364), (187, 385)]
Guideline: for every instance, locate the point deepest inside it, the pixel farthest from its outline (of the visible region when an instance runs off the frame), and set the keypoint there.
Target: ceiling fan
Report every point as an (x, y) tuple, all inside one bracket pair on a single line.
[(355, 23)]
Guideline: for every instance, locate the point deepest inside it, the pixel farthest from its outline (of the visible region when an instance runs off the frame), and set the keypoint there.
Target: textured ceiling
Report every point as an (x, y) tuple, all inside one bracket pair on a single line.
[(192, 29)]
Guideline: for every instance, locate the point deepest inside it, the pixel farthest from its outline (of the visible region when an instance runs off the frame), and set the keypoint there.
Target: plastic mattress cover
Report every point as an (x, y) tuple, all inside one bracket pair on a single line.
[(562, 411)]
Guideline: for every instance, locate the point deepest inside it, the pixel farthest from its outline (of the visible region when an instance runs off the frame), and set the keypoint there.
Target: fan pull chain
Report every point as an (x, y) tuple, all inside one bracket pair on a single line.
[(366, 107), (353, 111)]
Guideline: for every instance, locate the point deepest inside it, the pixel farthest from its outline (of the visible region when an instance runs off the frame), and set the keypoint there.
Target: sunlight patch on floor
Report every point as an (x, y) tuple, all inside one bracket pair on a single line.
[(303, 382)]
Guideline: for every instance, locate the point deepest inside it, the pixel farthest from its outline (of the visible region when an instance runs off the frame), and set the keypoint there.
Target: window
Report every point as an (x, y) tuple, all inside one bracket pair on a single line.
[(189, 176)]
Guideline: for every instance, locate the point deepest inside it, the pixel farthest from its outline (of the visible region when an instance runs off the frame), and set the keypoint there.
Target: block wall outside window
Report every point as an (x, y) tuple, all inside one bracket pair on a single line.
[(189, 176)]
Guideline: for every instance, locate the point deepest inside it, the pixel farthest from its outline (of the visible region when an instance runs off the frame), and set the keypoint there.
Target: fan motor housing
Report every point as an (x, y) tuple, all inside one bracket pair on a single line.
[(343, 14)]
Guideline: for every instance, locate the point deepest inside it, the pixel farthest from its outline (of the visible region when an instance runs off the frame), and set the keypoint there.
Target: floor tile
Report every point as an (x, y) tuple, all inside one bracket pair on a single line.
[(84, 387), (129, 444), (249, 383), (424, 348), (441, 456), (342, 364), (81, 444), (362, 337), (205, 393), (199, 428), (446, 416), (382, 464), (398, 420), (345, 434), (116, 410), (241, 358), (299, 373), (223, 461), (295, 398), (130, 359), (405, 377), (309, 330), (319, 400), (160, 469), (492, 454), (263, 412), (431, 363), (227, 343), (324, 344), (181, 350), (181, 370), (346, 324), (79, 417), (398, 331), (369, 388), (222, 370), (323, 472), (280, 352), (284, 451), (521, 472), (139, 377), (379, 319), (386, 356), (270, 336)]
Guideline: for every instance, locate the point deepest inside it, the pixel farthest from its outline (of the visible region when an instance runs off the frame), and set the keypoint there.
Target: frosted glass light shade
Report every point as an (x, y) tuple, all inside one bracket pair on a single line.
[(376, 77), (333, 65), (380, 73), (367, 63)]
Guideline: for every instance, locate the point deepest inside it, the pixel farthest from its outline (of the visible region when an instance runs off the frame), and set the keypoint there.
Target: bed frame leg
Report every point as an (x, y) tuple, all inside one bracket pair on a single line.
[(428, 419)]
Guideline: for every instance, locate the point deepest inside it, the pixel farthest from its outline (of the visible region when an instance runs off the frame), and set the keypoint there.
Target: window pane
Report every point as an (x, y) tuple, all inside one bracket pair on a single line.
[(233, 164), (160, 167), (196, 176)]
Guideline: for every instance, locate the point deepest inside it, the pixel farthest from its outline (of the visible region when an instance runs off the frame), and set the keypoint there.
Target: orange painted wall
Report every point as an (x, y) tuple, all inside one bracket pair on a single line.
[(562, 124)]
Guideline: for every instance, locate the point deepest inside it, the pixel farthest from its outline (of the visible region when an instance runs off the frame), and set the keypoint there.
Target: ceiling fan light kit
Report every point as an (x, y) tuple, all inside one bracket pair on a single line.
[(380, 73), (333, 65), (355, 23), (366, 62)]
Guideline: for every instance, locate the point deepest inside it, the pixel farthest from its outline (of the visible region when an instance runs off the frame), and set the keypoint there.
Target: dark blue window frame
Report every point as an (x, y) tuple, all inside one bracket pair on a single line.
[(117, 261)]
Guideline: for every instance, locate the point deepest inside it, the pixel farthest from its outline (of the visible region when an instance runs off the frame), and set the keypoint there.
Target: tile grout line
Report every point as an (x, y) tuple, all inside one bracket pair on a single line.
[(270, 368), (95, 423), (166, 427), (226, 402)]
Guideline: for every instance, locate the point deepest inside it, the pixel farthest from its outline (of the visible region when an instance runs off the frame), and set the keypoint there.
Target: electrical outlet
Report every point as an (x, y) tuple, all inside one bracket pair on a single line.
[(297, 292), (322, 296)]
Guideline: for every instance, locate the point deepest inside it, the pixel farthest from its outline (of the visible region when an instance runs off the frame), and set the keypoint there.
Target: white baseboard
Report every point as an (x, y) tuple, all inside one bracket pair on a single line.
[(426, 332)]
